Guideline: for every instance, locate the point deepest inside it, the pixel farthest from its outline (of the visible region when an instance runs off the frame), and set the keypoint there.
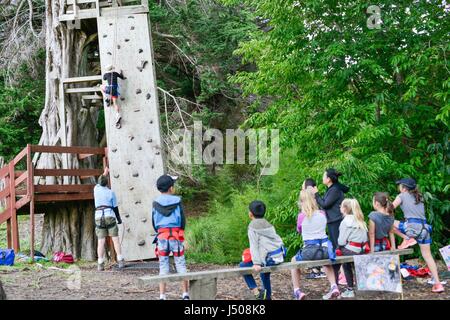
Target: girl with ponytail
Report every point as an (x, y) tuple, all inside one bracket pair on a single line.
[(415, 228), (352, 239), (381, 224)]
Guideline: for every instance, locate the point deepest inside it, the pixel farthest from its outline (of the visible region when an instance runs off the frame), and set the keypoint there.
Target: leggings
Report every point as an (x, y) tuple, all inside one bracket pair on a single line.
[(333, 234), (348, 267)]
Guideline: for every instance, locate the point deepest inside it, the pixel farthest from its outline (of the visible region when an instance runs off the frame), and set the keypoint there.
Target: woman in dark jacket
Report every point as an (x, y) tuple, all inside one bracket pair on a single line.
[(331, 203)]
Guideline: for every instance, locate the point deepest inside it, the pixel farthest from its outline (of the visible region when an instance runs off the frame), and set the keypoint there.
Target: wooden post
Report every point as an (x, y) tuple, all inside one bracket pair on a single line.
[(12, 203), (30, 194), (8, 222), (203, 289)]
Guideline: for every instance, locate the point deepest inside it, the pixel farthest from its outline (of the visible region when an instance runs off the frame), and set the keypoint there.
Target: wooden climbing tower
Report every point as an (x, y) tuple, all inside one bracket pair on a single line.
[(134, 150)]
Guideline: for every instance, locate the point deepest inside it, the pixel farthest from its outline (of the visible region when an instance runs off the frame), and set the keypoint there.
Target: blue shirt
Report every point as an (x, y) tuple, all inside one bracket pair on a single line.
[(103, 196)]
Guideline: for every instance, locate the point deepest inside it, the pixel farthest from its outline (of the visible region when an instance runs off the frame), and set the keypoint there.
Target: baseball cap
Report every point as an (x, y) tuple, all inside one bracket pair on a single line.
[(165, 182), (407, 182)]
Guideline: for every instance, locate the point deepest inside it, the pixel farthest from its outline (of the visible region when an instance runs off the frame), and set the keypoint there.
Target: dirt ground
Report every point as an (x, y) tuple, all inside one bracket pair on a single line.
[(87, 283)]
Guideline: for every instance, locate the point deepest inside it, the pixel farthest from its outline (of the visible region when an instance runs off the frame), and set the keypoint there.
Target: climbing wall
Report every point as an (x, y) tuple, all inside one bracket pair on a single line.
[(134, 150)]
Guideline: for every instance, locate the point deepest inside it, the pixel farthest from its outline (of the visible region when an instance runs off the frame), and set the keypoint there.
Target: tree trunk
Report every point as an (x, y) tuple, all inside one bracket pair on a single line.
[(2, 292), (68, 227)]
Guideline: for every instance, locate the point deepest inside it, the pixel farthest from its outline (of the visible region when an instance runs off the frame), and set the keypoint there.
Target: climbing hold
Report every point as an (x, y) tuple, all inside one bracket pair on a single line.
[(110, 24), (118, 46), (141, 243), (128, 162), (122, 98), (144, 220), (109, 53), (138, 91), (130, 17), (140, 50), (137, 110), (128, 229), (126, 40), (148, 96), (138, 202), (157, 153), (132, 28), (142, 66), (149, 140), (116, 175), (139, 148), (135, 174), (151, 121), (127, 215), (153, 166), (131, 137), (114, 149), (105, 35), (131, 188)]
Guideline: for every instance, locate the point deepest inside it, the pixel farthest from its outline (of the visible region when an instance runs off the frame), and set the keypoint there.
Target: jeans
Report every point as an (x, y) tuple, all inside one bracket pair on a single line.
[(173, 246), (265, 278)]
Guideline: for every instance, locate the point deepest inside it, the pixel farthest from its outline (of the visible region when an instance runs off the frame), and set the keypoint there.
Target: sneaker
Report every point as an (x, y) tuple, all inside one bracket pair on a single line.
[(118, 117), (407, 243), (321, 275), (262, 295), (437, 288), (101, 266), (186, 298), (333, 294), (121, 264), (342, 281), (299, 295), (348, 294), (108, 102), (432, 282)]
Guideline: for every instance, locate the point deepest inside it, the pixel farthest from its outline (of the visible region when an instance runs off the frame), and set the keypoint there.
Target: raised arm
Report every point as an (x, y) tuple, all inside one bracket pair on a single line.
[(328, 201), (397, 202)]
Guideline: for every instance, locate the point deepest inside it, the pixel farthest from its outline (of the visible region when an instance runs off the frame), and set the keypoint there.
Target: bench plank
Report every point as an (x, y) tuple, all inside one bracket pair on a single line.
[(236, 272)]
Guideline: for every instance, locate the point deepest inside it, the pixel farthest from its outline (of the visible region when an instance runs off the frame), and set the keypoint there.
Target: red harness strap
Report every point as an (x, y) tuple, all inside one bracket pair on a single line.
[(170, 234), (384, 241)]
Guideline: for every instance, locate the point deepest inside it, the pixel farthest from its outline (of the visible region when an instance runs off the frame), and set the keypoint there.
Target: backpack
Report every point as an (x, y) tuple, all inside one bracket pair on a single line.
[(63, 257), (7, 257)]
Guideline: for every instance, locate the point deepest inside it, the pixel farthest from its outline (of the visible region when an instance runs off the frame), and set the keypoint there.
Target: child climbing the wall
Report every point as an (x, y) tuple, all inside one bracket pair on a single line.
[(415, 228), (311, 224), (169, 222), (381, 224), (112, 89), (352, 239), (266, 249)]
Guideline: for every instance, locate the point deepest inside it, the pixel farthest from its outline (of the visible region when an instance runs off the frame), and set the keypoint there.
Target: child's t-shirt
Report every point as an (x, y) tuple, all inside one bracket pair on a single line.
[(312, 228), (410, 208), (383, 224)]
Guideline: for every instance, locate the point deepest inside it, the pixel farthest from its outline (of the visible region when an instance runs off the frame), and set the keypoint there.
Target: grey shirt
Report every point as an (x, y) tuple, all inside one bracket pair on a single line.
[(351, 231), (263, 239), (410, 208), (383, 224)]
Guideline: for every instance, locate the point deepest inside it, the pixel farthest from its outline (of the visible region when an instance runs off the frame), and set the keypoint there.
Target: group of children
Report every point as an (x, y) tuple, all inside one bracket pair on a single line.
[(333, 225), (330, 225)]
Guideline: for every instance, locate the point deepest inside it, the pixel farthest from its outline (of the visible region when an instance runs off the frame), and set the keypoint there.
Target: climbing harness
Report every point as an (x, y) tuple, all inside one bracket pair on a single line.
[(425, 227), (173, 233), (103, 224)]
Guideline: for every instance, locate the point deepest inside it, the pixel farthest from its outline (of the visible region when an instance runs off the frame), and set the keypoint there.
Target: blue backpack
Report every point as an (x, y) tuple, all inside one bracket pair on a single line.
[(7, 257)]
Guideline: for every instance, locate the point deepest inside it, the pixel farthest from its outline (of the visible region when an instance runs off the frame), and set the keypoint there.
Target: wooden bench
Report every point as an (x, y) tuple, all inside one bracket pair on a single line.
[(203, 284)]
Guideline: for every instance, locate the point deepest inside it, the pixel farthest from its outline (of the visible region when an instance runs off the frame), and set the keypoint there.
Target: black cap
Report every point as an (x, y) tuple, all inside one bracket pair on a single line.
[(165, 182), (407, 182)]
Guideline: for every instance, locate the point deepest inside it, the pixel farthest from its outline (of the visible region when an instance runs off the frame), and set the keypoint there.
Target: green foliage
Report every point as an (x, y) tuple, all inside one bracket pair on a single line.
[(20, 107), (371, 102)]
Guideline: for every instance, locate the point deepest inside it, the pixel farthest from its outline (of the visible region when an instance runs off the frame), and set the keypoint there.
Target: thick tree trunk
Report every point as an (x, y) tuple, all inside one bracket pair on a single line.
[(2, 292), (68, 227)]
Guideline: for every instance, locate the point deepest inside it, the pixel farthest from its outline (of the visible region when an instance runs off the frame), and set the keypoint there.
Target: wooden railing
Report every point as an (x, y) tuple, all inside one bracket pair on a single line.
[(19, 187)]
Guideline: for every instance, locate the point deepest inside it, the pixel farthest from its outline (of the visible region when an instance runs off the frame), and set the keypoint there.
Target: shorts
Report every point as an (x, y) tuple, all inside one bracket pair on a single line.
[(113, 91), (172, 246), (420, 232), (312, 252), (112, 231)]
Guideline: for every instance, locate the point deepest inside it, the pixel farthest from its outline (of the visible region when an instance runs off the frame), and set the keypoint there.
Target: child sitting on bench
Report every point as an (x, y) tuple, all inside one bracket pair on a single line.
[(311, 224), (266, 249)]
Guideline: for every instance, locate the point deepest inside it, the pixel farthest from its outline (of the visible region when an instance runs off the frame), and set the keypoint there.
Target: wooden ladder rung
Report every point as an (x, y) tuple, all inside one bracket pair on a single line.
[(82, 90)]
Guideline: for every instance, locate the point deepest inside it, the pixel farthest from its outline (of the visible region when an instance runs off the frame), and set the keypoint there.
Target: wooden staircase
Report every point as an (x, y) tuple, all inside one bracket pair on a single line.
[(22, 192)]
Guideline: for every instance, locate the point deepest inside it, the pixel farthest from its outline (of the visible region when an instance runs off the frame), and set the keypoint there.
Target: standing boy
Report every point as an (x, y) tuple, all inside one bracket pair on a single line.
[(266, 249), (169, 222)]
